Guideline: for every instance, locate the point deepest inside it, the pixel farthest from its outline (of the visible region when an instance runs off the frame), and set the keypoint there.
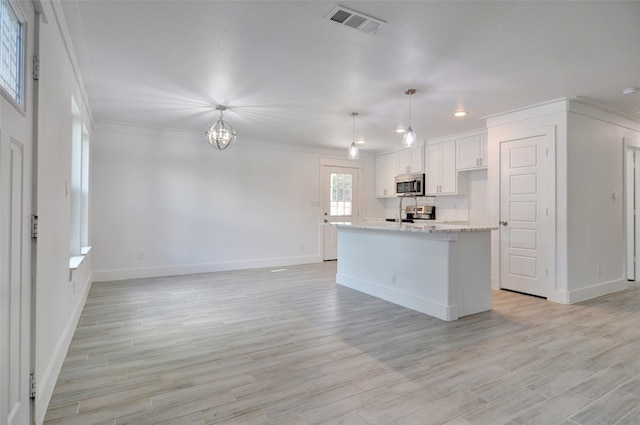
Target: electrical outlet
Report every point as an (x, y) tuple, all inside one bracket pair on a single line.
[(393, 279), (301, 247), (599, 269), (140, 255)]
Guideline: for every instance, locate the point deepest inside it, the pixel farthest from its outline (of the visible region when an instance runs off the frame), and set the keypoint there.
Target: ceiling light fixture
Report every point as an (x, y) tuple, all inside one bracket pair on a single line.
[(221, 134), (630, 90), (409, 138), (460, 113), (354, 152)]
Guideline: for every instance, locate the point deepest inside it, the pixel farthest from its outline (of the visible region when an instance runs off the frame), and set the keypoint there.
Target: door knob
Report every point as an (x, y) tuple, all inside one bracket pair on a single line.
[(504, 223)]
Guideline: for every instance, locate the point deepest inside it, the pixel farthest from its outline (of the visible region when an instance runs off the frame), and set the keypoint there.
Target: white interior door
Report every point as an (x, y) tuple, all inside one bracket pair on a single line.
[(523, 215), (632, 216), (14, 290), (339, 204)]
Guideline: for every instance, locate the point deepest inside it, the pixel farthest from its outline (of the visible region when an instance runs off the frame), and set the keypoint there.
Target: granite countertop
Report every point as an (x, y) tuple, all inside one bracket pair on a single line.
[(419, 227)]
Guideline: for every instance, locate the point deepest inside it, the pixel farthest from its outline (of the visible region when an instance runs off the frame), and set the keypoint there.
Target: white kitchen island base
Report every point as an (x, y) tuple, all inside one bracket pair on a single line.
[(436, 270)]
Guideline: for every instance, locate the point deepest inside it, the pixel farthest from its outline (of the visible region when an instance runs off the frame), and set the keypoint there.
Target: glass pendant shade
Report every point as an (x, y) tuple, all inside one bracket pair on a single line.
[(409, 138), (221, 134), (354, 152)]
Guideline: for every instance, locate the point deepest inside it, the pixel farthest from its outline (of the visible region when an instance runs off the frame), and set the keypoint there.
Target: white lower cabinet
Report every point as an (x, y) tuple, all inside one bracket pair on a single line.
[(441, 173)]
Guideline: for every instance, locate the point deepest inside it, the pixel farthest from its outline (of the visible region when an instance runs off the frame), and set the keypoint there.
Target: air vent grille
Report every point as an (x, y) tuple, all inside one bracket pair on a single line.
[(356, 20), (340, 16)]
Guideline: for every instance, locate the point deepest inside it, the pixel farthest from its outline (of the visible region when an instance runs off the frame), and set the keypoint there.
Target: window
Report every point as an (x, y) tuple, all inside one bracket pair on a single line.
[(79, 233), (11, 51), (341, 194)]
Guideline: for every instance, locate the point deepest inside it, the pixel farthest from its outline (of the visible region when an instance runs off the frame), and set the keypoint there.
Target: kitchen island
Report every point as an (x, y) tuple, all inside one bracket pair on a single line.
[(442, 270)]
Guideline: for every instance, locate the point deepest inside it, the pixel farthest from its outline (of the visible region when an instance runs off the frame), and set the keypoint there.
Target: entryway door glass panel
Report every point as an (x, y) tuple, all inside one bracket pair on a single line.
[(339, 202)]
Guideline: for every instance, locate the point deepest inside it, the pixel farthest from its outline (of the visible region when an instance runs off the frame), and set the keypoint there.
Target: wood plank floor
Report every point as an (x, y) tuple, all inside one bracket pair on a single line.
[(290, 347)]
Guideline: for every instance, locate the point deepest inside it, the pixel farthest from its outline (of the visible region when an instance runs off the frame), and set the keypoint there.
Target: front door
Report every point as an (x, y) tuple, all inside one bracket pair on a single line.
[(339, 202), (16, 157), (14, 289), (524, 214)]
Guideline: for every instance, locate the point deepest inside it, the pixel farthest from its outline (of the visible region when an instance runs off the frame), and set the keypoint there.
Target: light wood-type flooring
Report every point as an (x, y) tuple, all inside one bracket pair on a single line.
[(290, 347)]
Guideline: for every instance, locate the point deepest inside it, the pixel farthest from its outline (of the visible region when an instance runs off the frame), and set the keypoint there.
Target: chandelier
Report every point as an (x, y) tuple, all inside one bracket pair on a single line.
[(221, 134)]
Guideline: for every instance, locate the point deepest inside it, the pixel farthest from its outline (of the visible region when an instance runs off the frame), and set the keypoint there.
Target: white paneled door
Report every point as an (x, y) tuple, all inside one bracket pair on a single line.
[(524, 215), (16, 189), (14, 293), (339, 203), (632, 215)]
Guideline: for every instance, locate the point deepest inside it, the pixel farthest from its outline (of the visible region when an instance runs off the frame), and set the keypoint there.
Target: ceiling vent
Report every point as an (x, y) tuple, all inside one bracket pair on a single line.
[(356, 20)]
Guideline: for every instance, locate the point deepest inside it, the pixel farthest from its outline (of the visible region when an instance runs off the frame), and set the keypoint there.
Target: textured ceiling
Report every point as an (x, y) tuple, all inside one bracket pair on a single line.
[(289, 75)]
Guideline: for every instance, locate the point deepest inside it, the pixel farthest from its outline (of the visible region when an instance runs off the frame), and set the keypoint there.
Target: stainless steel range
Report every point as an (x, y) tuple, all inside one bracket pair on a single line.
[(421, 212)]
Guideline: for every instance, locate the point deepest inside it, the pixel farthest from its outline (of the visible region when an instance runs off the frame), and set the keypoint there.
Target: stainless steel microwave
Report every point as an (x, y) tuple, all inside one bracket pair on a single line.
[(410, 184)]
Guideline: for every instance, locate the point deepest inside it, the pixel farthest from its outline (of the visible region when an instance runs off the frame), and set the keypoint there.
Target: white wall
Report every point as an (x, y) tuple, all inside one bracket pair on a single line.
[(595, 201), (589, 164), (165, 202), (503, 127), (60, 294)]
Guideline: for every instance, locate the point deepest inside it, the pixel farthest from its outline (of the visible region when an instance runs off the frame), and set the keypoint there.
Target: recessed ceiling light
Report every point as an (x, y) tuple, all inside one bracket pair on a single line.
[(460, 113), (360, 142), (630, 90), (399, 130)]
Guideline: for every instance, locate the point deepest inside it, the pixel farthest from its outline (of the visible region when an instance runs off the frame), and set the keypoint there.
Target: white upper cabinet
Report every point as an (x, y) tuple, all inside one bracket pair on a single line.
[(389, 165), (410, 160), (386, 170), (471, 152), (441, 173)]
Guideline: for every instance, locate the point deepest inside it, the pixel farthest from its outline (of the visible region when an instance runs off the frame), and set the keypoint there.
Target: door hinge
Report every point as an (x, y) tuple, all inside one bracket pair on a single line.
[(34, 226), (32, 385), (36, 67)]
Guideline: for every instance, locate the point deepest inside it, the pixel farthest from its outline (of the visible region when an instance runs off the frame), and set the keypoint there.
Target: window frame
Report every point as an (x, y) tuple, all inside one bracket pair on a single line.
[(19, 104), (79, 238), (339, 205)]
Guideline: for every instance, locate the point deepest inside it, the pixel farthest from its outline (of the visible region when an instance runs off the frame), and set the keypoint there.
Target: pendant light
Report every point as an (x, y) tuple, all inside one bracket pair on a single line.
[(354, 151), (221, 134), (409, 138)]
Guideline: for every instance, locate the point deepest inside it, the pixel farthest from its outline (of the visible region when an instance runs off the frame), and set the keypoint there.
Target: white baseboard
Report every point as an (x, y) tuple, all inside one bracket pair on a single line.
[(595, 291), (422, 305), (47, 380), (121, 274)]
